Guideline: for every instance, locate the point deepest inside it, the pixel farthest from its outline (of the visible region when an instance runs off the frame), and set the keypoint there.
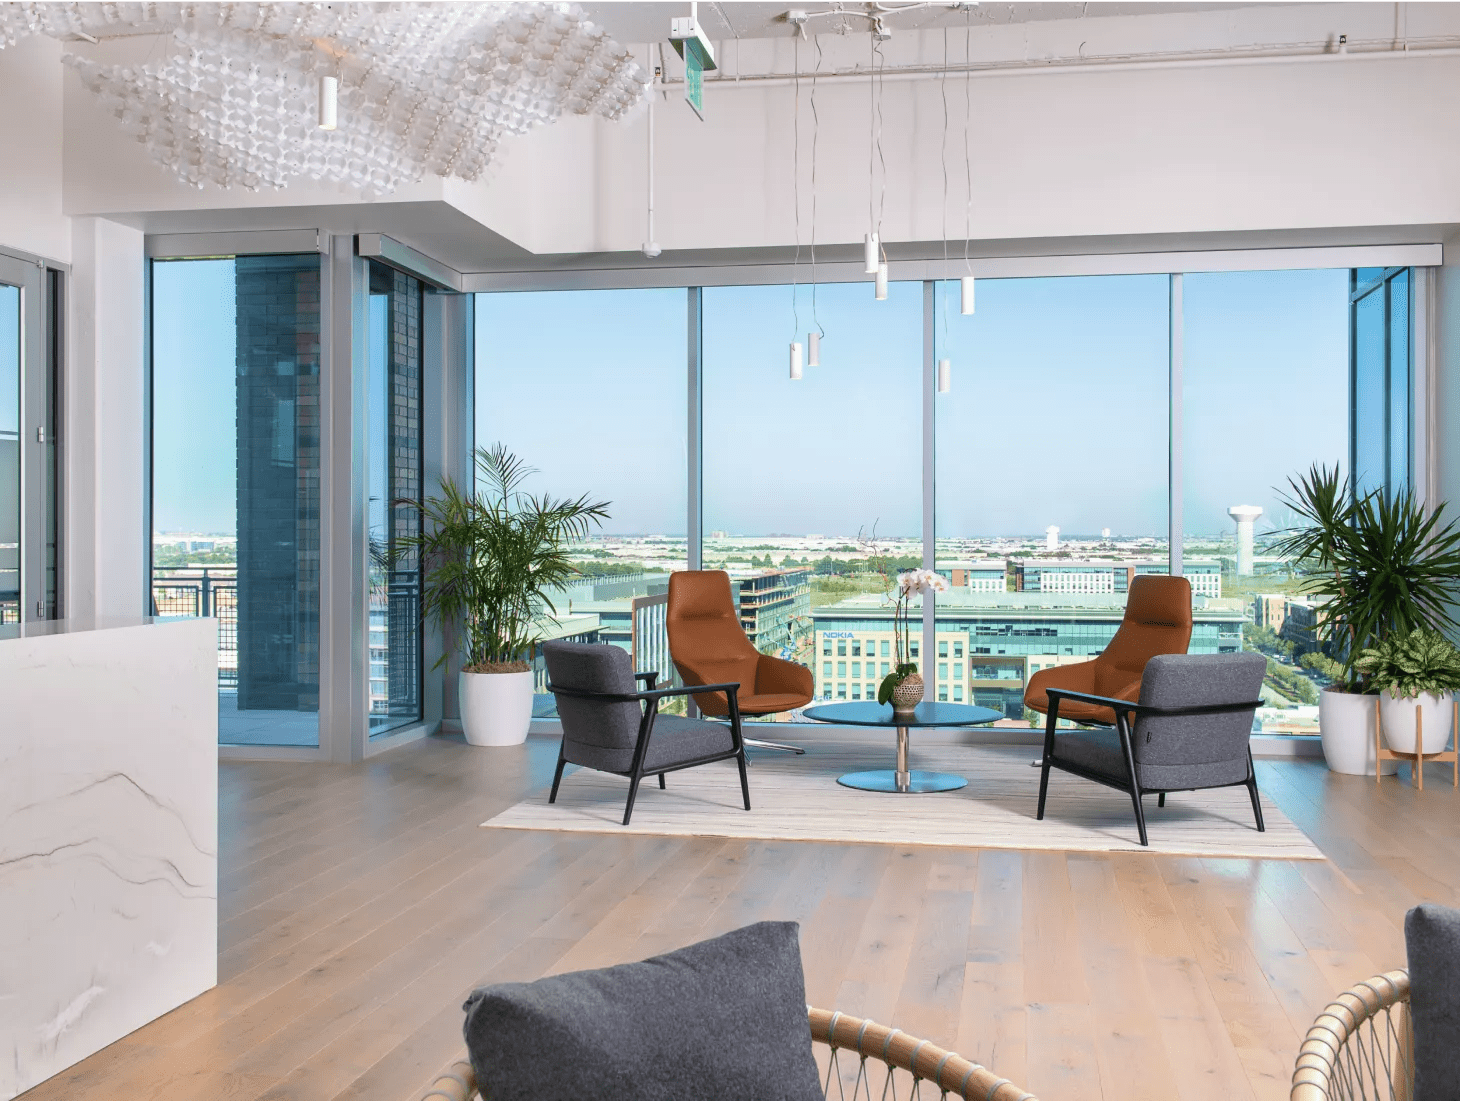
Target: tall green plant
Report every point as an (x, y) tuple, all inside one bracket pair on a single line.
[(1385, 566), (493, 557)]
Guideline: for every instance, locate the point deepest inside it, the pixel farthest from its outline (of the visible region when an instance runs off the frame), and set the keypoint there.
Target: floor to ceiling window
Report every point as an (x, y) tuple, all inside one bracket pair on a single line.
[(1382, 378), (590, 389), (236, 480), (9, 454), (394, 457), (815, 482), (1052, 456), (1265, 397)]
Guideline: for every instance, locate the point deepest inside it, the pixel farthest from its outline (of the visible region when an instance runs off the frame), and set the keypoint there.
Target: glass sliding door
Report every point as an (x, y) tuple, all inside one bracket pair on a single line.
[(1381, 380), (236, 480), (1052, 460), (394, 457), (1265, 396), (590, 389), (813, 486)]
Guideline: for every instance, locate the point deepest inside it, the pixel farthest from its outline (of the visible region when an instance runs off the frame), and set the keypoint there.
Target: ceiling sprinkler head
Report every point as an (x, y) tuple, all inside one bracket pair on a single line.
[(879, 29), (651, 250)]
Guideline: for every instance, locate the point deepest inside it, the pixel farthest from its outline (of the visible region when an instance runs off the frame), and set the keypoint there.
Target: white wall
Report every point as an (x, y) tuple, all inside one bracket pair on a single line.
[(31, 150), (104, 438)]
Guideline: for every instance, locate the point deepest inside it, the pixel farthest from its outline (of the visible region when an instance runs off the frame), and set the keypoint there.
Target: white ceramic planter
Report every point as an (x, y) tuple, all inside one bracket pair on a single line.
[(1398, 713), (496, 708), (1346, 724)]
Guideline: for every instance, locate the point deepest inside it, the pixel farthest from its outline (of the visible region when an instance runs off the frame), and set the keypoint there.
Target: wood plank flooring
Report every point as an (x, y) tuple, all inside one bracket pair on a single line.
[(360, 904)]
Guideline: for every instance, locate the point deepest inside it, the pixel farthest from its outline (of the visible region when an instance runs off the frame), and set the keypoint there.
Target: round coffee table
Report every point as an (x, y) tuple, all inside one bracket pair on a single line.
[(902, 779)]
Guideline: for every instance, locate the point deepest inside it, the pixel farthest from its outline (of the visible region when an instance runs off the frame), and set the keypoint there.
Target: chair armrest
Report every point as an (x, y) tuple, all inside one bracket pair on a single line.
[(639, 697), (1089, 697), (649, 678), (774, 675), (1147, 709), (732, 688)]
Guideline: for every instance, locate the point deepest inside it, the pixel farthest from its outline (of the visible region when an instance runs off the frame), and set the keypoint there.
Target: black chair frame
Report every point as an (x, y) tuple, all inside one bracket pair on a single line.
[(651, 697), (1131, 785)]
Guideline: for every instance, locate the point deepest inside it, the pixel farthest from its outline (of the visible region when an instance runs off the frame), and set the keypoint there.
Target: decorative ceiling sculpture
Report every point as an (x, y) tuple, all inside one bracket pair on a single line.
[(423, 88)]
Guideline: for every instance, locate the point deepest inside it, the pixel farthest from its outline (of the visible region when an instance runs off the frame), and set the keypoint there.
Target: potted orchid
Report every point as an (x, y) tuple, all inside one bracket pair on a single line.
[(903, 687)]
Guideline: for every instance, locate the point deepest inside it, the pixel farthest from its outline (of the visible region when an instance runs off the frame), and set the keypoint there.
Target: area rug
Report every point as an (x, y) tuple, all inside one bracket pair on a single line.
[(798, 798)]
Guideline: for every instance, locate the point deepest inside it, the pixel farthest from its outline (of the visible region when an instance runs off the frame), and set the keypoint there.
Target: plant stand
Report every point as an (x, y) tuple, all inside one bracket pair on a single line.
[(1417, 759)]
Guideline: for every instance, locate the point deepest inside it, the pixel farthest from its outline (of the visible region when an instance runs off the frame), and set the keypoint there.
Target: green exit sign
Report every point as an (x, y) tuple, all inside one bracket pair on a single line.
[(694, 77)]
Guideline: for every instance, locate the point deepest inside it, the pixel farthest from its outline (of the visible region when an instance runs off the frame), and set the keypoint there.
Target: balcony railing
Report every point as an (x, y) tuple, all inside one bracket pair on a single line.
[(196, 591)]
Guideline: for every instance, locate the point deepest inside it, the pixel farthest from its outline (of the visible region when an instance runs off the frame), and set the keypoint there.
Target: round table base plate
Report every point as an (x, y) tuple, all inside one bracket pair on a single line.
[(886, 780)]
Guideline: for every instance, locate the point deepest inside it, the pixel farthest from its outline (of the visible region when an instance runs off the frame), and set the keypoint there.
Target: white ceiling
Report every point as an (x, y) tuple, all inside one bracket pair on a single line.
[(634, 23)]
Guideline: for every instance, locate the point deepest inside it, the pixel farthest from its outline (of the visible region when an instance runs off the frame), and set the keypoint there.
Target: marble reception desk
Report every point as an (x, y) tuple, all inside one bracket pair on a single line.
[(108, 834)]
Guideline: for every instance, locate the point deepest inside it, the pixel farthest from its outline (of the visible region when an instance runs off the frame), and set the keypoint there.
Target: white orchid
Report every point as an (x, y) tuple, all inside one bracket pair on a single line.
[(921, 581)]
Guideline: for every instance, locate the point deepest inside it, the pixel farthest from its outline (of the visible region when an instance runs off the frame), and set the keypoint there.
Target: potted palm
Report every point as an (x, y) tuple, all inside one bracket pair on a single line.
[(492, 558), (1413, 674), (1385, 568)]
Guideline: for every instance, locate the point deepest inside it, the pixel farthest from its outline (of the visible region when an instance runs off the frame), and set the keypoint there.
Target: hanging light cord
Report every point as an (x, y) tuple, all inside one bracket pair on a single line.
[(872, 130), (796, 185), (815, 133), (943, 155), (879, 68), (967, 159)]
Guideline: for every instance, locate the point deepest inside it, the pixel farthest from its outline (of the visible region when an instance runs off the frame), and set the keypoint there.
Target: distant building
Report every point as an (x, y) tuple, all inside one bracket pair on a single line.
[(772, 603), (1270, 610), (1107, 576), (986, 645), (1301, 619), (987, 576)]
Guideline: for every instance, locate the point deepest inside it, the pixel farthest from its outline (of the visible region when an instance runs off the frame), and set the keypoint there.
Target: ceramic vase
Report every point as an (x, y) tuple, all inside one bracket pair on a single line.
[(908, 694)]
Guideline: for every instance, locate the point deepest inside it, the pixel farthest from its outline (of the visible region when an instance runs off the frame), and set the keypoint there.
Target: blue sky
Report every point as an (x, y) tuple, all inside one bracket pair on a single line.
[(1057, 413)]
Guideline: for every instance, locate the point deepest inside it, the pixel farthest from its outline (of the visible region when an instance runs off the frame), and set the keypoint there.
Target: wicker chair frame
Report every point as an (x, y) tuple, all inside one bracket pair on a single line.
[(1361, 1047), (881, 1064)]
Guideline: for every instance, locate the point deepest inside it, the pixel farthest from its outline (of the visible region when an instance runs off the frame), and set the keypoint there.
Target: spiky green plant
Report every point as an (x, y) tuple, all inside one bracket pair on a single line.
[(493, 557), (1385, 566), (1406, 665)]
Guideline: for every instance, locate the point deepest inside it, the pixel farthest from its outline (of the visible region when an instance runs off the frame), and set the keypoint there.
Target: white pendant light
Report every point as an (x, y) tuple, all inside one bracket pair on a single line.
[(813, 349), (966, 301), (881, 292), (870, 248), (795, 359), (945, 375), (329, 102)]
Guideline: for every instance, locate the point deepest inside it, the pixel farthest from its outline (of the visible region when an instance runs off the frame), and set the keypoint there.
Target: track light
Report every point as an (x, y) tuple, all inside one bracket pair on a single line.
[(945, 375), (881, 291), (795, 359), (870, 248), (329, 102), (965, 305), (813, 349)]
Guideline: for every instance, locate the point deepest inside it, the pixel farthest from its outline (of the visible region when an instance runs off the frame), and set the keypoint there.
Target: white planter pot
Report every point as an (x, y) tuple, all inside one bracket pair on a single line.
[(1346, 724), (496, 708), (1398, 717)]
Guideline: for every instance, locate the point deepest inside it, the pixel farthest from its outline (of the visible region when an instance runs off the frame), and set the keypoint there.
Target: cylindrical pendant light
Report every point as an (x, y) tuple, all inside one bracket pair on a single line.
[(870, 247), (813, 349), (795, 359), (945, 375), (881, 292), (966, 303), (329, 102)]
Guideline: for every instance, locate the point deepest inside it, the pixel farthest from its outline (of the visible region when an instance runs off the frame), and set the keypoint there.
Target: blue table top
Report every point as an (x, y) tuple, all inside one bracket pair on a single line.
[(870, 713)]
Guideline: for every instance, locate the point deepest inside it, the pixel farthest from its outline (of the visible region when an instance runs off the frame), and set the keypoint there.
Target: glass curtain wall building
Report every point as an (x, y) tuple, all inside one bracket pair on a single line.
[(1051, 455), (236, 480)]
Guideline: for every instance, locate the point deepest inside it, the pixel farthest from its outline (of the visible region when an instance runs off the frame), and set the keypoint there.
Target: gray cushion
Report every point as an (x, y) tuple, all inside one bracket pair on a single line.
[(722, 1020), (675, 740), (1432, 937), (595, 733)]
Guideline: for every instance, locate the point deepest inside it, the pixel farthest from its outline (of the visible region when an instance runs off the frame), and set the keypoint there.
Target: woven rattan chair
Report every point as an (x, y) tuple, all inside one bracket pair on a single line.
[(862, 1061), (1361, 1046)]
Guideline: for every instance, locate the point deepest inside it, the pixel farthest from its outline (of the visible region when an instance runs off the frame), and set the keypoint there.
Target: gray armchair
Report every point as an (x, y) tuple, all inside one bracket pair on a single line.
[(1189, 730), (610, 726)]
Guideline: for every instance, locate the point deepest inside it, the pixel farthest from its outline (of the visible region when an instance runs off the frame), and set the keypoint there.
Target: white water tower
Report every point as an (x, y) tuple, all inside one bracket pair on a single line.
[(1051, 538), (1244, 515)]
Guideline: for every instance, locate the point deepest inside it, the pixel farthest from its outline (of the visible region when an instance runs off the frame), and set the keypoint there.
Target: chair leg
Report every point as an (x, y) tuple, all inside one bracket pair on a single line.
[(633, 791), (1135, 781), (1043, 786), (744, 782), (1252, 791), (779, 746), (557, 778), (1049, 724), (661, 781), (1161, 802)]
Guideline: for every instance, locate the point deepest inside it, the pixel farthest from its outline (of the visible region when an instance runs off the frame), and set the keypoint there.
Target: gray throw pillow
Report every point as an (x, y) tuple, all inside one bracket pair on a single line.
[(722, 1020), (1432, 937)]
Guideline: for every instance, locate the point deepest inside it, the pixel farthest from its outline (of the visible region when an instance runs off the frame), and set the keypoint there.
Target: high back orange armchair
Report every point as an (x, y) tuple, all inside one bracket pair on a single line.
[(709, 646), (1157, 621)]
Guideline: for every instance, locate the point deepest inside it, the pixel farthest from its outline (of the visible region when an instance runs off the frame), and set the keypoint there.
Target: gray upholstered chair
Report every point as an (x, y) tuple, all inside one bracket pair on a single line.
[(1191, 730), (610, 726)]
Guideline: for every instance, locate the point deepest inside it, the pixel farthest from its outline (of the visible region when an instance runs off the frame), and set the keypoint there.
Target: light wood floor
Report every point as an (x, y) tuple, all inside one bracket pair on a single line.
[(360, 904)]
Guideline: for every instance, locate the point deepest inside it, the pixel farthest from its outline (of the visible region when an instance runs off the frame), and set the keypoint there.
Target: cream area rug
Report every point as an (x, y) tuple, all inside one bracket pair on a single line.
[(798, 798)]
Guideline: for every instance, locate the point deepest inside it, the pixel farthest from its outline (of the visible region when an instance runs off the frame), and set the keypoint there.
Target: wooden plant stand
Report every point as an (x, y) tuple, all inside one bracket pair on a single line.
[(1417, 759)]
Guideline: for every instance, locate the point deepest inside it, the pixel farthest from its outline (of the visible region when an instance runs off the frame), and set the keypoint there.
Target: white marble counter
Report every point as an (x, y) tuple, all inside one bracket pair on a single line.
[(108, 834)]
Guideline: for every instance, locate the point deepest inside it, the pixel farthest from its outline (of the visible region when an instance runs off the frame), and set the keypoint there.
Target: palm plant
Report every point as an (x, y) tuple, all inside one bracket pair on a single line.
[(493, 556), (1385, 565)]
